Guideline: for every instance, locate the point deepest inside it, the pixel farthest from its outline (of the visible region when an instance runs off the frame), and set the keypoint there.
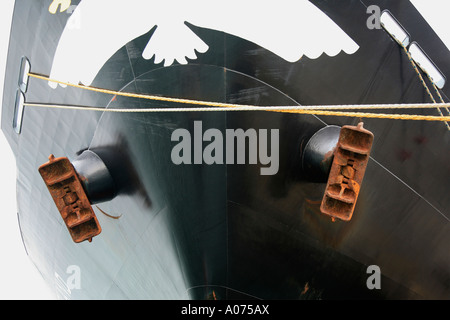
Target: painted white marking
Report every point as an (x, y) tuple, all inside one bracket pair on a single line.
[(288, 28)]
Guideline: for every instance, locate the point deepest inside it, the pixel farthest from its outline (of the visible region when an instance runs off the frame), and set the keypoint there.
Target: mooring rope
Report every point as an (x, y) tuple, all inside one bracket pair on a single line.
[(325, 110), (414, 65)]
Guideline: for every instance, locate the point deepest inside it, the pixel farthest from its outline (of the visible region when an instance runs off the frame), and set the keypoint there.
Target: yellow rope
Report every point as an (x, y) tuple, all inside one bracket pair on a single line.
[(135, 95), (312, 111), (218, 106), (437, 92), (424, 84), (418, 73), (247, 107)]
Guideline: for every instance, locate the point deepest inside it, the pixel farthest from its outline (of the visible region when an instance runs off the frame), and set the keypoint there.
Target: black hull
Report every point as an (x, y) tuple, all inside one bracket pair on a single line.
[(225, 231)]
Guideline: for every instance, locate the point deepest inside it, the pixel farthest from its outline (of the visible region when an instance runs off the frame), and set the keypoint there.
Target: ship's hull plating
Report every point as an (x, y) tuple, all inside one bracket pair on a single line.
[(200, 231)]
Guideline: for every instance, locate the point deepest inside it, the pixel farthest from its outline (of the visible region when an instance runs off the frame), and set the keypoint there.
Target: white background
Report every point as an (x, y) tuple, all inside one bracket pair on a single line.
[(19, 278)]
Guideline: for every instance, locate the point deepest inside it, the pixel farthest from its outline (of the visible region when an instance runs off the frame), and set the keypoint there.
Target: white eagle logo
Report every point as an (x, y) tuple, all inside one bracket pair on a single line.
[(288, 28)]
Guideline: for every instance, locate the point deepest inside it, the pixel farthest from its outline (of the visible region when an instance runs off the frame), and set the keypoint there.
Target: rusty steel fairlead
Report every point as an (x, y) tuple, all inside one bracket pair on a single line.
[(351, 157)]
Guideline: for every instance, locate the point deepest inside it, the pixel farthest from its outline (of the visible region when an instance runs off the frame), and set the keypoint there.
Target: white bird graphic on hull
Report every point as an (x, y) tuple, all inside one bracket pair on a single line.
[(97, 29)]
